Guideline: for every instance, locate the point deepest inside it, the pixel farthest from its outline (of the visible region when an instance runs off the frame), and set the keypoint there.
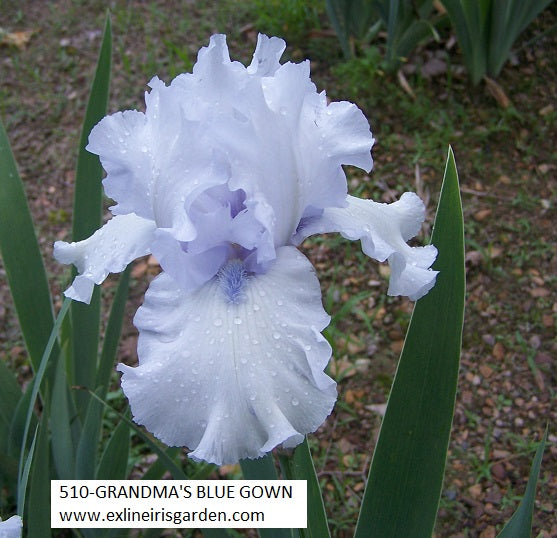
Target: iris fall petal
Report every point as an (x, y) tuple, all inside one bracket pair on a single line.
[(236, 368)]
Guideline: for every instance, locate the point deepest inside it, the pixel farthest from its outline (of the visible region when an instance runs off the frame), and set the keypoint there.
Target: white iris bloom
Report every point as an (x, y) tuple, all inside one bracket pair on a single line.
[(11, 528), (229, 168)]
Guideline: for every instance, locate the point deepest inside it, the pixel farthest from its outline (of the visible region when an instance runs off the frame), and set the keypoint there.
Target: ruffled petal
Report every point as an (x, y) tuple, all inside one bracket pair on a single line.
[(122, 239), (235, 368), (383, 230), (266, 58), (11, 528), (122, 141), (157, 163)]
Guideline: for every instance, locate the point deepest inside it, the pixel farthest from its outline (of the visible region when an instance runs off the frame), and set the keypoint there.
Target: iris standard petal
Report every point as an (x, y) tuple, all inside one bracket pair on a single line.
[(235, 368), (266, 58), (285, 144), (383, 230), (122, 141), (122, 239), (157, 163)]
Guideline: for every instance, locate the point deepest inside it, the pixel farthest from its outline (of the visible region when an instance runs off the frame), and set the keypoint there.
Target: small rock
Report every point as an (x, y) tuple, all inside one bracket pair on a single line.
[(377, 408), (539, 292), (535, 341), (486, 371), (489, 339), (498, 351), (546, 110), (488, 532), (482, 214), (363, 365), (498, 471)]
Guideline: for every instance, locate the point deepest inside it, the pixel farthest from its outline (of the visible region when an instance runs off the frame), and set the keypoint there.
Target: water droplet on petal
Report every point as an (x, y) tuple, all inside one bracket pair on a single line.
[(217, 322), (237, 321), (276, 336), (295, 402)]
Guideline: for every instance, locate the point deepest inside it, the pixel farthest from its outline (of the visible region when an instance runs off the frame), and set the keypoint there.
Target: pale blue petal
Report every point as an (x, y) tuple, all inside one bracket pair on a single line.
[(189, 270), (266, 58), (122, 239), (11, 528), (383, 230), (235, 368)]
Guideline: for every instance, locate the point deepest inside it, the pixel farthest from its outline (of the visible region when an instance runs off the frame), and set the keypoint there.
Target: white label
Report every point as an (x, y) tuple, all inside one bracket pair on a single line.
[(174, 504)]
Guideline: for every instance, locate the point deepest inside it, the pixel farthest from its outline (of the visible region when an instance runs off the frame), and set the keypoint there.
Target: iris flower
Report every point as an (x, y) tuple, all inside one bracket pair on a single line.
[(11, 528), (228, 170)]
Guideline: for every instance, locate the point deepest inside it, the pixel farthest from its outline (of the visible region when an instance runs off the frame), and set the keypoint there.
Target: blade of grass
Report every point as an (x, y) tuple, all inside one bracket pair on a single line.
[(10, 394), (259, 469), (112, 333), (114, 461), (37, 512), (406, 475), (22, 489), (466, 18), (35, 390), (299, 466), (215, 533), (170, 465), (87, 217), (86, 455), (22, 258), (60, 425), (337, 11), (17, 426), (264, 469), (520, 523), (157, 468), (508, 20), (86, 464)]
